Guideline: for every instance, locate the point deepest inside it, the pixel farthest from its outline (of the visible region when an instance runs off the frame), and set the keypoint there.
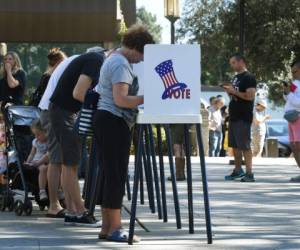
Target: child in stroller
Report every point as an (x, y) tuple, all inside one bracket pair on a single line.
[(38, 157)]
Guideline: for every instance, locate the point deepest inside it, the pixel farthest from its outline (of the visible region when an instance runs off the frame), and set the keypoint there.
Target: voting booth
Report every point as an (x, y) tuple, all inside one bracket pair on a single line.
[(170, 80)]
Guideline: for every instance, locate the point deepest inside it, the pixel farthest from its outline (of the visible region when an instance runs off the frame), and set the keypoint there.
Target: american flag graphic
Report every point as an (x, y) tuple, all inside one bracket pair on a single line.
[(166, 72)]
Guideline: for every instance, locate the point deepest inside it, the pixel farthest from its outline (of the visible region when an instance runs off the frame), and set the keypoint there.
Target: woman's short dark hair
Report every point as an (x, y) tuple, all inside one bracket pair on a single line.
[(136, 37)]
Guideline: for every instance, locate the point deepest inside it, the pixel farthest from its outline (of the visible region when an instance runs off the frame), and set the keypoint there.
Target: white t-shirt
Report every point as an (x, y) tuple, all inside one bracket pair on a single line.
[(41, 149), (45, 101), (293, 98)]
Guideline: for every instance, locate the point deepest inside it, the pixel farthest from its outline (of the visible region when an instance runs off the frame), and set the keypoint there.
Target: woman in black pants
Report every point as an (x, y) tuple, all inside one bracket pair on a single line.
[(113, 121)]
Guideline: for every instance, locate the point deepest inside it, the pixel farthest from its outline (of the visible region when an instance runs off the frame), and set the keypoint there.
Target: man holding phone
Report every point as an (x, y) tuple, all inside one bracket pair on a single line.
[(242, 95)]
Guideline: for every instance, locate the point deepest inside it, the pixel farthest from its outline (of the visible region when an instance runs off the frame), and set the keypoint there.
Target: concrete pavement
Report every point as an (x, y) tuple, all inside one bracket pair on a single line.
[(260, 215)]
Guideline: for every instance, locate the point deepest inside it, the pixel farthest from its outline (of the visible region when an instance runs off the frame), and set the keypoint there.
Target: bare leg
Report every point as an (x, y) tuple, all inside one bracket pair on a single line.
[(296, 152), (72, 191), (114, 219), (54, 173), (238, 157), (105, 221), (43, 176), (248, 160)]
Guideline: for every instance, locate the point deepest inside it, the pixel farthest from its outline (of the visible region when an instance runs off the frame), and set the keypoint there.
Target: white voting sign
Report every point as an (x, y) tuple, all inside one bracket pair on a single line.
[(172, 80)]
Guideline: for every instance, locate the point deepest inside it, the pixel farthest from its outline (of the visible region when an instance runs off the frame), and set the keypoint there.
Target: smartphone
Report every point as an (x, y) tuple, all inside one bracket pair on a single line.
[(224, 85)]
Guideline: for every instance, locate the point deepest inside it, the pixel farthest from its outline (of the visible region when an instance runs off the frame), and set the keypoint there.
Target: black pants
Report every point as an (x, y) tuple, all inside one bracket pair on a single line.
[(113, 139)]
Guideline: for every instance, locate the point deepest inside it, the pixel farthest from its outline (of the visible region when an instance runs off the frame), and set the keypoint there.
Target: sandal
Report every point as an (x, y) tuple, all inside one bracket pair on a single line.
[(60, 214), (102, 236), (121, 235)]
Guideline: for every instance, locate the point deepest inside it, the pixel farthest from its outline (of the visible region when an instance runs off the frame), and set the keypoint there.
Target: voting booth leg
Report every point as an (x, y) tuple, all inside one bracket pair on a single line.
[(172, 171), (162, 174), (155, 173), (189, 178), (204, 184), (90, 175), (128, 188), (137, 168), (95, 189), (142, 200), (148, 175)]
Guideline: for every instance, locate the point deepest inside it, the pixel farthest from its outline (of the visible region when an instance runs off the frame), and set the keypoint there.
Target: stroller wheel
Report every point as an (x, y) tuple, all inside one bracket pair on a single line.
[(3, 203), (42, 207), (19, 207), (28, 208)]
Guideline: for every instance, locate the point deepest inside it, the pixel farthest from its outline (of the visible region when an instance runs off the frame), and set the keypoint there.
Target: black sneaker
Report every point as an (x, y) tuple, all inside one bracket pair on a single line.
[(248, 178), (235, 175), (84, 220)]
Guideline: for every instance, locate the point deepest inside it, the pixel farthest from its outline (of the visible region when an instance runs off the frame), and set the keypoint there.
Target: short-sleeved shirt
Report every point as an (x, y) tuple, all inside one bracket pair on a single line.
[(41, 149), (53, 81), (87, 64), (240, 109), (116, 69), (14, 95)]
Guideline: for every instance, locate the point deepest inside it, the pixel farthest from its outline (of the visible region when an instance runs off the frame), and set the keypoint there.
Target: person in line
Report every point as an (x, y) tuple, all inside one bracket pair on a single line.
[(177, 136), (38, 157), (211, 102), (13, 83), (215, 127), (55, 57), (113, 121), (259, 127), (79, 76), (242, 94), (55, 209), (224, 113), (292, 98)]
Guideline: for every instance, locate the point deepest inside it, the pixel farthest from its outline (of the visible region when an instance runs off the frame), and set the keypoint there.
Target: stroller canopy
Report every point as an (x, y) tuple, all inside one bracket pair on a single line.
[(23, 115)]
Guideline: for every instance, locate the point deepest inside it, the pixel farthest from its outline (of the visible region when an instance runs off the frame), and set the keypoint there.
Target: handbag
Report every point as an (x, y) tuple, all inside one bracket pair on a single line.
[(89, 107), (291, 115)]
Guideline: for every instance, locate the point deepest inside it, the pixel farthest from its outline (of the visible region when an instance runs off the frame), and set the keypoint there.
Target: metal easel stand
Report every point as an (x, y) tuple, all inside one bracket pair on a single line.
[(144, 137)]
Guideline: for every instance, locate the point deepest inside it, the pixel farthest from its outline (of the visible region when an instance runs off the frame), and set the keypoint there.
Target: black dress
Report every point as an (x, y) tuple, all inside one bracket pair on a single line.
[(13, 95)]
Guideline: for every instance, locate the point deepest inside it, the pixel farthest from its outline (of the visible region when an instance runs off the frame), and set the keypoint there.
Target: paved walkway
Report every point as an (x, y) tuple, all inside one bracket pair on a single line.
[(261, 215)]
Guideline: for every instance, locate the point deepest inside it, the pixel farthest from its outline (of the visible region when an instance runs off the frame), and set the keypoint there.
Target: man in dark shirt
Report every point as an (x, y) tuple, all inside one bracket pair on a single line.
[(79, 76), (242, 94)]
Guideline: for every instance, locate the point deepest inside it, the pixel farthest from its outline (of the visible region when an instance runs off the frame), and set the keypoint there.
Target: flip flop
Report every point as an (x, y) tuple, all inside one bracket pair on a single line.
[(102, 236), (60, 214), (121, 235)]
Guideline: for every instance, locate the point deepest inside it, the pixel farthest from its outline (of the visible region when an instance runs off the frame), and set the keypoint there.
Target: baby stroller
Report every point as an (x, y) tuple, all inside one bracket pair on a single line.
[(20, 180)]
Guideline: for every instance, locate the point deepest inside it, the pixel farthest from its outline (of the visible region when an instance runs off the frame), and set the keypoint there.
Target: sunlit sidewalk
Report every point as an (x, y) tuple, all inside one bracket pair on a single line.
[(260, 215)]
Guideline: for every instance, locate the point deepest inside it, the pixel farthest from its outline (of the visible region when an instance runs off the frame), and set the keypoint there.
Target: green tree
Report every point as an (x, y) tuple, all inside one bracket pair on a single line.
[(150, 21), (271, 39)]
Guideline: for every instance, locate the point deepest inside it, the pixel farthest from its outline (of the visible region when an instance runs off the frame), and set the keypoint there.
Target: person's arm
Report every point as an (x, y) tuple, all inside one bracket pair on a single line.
[(121, 98), (249, 95), (12, 82), (31, 155), (83, 84), (43, 160), (259, 121), (293, 99)]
